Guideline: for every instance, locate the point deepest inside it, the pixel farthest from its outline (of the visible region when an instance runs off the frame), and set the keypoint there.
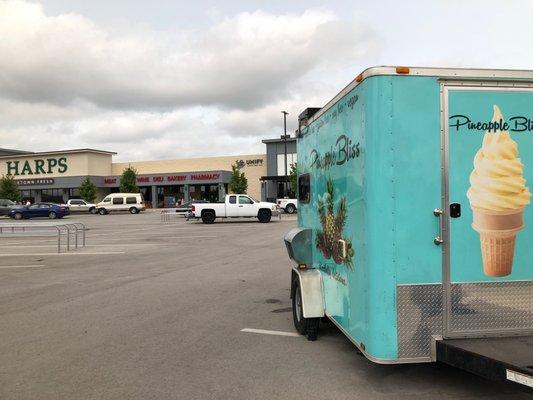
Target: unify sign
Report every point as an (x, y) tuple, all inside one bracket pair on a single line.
[(37, 166)]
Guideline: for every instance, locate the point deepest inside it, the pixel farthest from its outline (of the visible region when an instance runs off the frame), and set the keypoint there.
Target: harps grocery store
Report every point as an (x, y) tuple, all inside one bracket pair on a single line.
[(56, 176)]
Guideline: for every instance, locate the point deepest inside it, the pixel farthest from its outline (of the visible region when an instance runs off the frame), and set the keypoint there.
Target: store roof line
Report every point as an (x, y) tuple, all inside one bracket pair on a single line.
[(291, 139), (44, 153)]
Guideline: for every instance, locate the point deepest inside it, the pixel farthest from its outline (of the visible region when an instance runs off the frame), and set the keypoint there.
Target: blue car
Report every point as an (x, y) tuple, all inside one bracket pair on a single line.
[(39, 210)]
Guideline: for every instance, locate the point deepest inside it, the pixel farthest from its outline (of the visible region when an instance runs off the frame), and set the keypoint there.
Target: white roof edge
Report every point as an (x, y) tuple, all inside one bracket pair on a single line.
[(45, 153), (473, 73)]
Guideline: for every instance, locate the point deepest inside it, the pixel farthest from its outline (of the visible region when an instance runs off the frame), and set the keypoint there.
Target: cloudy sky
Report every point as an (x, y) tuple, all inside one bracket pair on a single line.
[(171, 79)]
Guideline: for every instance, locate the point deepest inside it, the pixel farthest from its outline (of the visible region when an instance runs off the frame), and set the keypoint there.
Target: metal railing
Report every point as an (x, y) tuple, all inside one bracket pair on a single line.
[(172, 215), (40, 229)]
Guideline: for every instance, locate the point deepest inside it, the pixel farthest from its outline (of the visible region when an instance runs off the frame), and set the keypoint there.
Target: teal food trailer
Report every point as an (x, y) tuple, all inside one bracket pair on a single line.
[(414, 229)]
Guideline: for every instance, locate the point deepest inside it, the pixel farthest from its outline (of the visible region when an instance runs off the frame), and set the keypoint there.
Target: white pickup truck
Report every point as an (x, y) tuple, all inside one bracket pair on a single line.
[(234, 206), (288, 205)]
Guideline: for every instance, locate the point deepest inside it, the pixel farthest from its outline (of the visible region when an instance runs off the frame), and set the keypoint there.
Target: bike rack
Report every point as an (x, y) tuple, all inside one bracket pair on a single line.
[(169, 215), (37, 229)]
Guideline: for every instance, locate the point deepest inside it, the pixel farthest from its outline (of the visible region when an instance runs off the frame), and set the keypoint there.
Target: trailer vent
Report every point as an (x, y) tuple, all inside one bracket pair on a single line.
[(306, 115)]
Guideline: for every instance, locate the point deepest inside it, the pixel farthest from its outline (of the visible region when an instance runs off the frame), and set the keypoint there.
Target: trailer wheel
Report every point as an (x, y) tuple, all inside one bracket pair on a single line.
[(290, 209), (264, 216), (208, 217), (304, 326)]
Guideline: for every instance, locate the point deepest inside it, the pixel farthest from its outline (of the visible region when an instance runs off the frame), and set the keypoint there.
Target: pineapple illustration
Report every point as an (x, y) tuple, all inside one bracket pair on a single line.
[(328, 240)]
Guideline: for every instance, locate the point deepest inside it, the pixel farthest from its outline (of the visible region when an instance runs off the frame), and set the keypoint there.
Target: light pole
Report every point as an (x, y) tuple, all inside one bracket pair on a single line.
[(285, 137)]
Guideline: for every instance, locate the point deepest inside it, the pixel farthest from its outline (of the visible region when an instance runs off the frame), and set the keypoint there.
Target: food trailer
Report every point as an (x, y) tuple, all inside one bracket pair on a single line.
[(415, 229)]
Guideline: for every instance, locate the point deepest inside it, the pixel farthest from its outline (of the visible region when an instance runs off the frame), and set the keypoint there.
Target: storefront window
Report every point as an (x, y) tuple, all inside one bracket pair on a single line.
[(28, 195), (74, 193), (146, 192), (52, 196), (204, 192), (169, 196), (291, 159)]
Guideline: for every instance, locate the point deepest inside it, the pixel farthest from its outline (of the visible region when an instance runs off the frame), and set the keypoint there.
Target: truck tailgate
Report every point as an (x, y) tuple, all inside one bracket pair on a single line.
[(504, 359)]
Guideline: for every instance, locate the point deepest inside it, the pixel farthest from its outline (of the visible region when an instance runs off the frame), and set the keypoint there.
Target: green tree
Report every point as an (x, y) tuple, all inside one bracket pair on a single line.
[(128, 181), (238, 183), (293, 179), (9, 188), (87, 190)]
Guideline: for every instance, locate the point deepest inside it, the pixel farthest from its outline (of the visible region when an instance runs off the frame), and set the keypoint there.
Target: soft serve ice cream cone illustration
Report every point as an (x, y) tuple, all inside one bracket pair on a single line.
[(498, 195)]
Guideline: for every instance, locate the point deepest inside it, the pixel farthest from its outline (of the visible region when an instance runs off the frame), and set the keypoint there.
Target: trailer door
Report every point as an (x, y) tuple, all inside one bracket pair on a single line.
[(487, 224)]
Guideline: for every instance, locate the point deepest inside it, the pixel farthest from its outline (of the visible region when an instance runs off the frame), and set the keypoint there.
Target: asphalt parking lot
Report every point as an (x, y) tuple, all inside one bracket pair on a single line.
[(151, 310)]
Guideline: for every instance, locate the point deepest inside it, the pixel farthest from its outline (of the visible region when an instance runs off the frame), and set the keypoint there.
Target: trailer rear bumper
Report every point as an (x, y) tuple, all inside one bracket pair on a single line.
[(503, 359)]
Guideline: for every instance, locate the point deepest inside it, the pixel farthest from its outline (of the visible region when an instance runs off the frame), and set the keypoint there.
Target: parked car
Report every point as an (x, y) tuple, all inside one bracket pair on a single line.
[(6, 206), (235, 206), (132, 202), (39, 210), (79, 205), (288, 205)]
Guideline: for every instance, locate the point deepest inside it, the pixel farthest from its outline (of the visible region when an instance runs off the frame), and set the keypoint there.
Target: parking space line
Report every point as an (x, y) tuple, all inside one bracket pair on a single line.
[(158, 237), (269, 332), (87, 245), (63, 254), (21, 266)]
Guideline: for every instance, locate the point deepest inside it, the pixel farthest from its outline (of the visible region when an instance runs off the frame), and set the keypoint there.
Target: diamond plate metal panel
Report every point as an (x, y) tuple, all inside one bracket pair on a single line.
[(491, 306), (419, 317)]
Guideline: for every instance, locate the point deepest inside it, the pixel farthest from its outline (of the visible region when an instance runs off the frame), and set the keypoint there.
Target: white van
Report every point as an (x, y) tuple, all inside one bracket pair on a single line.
[(132, 202)]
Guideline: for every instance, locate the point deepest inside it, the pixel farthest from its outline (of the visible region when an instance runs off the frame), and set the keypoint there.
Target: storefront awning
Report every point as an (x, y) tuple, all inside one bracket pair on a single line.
[(275, 178)]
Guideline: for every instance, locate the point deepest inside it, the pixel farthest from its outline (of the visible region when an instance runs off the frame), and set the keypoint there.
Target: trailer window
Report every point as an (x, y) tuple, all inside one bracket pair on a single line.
[(304, 188)]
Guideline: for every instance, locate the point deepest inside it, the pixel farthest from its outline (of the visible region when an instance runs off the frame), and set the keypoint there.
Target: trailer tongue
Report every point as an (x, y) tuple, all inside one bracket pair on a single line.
[(504, 359)]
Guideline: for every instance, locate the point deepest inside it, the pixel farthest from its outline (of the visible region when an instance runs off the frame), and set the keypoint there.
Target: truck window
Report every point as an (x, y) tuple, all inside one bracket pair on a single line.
[(245, 200), (106, 200), (118, 200), (131, 200), (304, 188), (233, 199)]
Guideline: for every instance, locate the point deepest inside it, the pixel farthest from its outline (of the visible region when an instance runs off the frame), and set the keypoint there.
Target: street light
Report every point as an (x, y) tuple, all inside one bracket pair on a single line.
[(285, 137)]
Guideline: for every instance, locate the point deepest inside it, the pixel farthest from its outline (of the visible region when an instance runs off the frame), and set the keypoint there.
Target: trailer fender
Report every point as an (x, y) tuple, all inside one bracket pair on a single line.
[(311, 289)]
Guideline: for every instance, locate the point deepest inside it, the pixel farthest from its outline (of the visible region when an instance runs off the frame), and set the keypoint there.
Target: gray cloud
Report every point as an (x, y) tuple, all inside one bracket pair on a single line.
[(243, 62), (67, 82)]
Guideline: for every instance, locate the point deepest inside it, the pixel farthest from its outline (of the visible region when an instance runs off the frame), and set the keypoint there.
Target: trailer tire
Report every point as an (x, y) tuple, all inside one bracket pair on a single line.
[(208, 217), (304, 326), (290, 209), (264, 216)]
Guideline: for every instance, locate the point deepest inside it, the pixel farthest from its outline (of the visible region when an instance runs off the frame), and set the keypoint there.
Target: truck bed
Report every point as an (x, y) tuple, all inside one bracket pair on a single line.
[(504, 359)]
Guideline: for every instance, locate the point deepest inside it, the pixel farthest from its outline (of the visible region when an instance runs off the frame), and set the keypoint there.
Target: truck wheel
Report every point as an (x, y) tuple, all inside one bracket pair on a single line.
[(304, 326), (264, 216), (102, 211), (133, 210), (52, 215), (208, 217), (290, 209), (92, 210)]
